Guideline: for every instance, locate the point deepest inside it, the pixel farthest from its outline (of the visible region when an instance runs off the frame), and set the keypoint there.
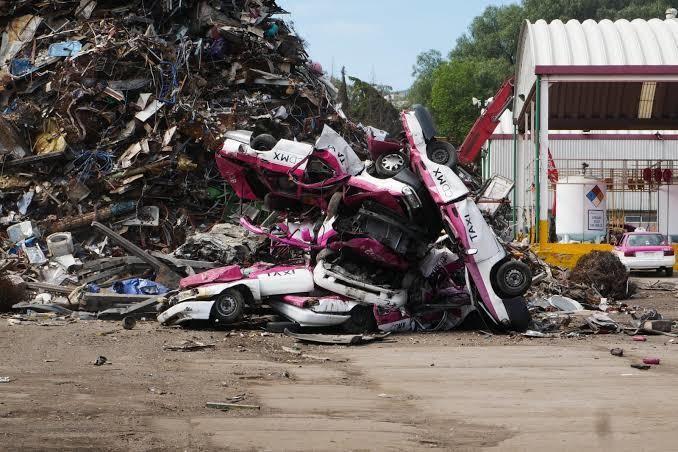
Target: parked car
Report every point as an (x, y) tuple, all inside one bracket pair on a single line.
[(646, 251)]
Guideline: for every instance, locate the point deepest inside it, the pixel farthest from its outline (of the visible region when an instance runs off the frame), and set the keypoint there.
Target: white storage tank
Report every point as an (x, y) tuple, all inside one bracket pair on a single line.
[(667, 211), (581, 210)]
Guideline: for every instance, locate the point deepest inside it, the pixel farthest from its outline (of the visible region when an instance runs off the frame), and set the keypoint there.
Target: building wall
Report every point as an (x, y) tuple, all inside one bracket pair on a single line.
[(572, 152)]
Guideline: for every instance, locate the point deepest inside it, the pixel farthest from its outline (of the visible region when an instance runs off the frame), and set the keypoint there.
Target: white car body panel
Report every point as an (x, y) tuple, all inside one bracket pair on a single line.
[(449, 185), (283, 282), (185, 312)]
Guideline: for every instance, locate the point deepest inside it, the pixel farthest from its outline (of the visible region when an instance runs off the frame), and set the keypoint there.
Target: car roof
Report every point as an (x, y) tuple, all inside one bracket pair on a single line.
[(644, 233)]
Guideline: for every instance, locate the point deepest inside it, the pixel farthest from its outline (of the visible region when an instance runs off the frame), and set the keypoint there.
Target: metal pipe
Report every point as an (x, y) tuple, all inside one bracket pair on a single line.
[(515, 178), (537, 130)]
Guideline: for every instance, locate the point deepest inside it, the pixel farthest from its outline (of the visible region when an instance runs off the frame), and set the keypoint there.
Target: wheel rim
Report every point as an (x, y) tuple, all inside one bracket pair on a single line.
[(226, 305), (514, 278), (392, 162), (439, 156)]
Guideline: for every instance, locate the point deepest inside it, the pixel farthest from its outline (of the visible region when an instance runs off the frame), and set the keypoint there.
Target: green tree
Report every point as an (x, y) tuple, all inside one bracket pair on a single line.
[(427, 63), (369, 106), (492, 35), (593, 9), (343, 93), (490, 45), (455, 85)]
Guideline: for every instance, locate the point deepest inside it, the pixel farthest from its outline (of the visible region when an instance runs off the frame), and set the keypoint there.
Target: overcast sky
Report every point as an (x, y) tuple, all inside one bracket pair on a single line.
[(380, 37)]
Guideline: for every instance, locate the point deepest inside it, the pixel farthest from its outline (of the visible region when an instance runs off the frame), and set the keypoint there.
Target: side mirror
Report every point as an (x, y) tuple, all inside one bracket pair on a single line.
[(471, 251)]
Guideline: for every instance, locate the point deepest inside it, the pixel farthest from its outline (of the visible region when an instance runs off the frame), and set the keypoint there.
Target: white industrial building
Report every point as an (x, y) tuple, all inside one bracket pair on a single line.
[(601, 93), (606, 152)]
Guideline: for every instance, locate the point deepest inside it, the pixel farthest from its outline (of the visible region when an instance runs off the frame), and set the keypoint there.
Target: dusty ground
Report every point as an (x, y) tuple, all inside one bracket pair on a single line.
[(451, 391)]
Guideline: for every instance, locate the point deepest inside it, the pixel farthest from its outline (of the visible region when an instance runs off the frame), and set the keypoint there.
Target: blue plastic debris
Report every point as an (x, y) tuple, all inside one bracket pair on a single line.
[(272, 31), (92, 288), (138, 286), (65, 49), (20, 67)]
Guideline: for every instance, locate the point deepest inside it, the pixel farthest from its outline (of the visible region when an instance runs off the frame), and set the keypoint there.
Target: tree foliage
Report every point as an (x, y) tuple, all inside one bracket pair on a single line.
[(486, 54), (455, 84), (369, 106), (423, 70)]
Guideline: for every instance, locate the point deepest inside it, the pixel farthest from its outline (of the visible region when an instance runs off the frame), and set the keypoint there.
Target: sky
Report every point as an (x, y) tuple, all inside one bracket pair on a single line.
[(380, 39)]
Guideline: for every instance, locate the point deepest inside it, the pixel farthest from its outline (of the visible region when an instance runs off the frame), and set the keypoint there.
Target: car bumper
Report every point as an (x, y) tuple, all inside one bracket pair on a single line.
[(648, 264), (185, 312), (308, 318)]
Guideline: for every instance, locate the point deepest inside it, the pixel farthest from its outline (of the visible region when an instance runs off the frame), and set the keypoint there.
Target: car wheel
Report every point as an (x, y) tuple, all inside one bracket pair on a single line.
[(669, 271), (513, 279), (390, 164), (442, 153), (361, 321), (518, 314), (228, 307), (263, 142)]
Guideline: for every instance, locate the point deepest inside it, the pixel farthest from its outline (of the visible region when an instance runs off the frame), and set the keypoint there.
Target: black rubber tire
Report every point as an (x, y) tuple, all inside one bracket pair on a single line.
[(361, 321), (280, 327), (384, 164), (263, 142), (519, 315), (228, 307), (669, 271), (512, 279), (442, 153)]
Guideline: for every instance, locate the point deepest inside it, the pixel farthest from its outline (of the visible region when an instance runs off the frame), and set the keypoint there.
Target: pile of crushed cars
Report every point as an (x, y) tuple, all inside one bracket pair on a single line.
[(186, 160)]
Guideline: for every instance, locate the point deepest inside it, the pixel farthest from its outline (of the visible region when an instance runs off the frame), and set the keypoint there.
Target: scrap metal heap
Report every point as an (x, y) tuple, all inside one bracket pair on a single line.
[(123, 125), (106, 101), (111, 110)]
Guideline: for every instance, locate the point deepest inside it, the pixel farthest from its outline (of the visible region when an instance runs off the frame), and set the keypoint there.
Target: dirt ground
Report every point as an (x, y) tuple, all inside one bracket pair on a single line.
[(450, 391)]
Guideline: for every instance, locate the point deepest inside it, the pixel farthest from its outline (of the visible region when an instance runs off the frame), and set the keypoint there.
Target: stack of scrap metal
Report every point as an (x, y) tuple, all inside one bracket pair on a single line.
[(111, 111)]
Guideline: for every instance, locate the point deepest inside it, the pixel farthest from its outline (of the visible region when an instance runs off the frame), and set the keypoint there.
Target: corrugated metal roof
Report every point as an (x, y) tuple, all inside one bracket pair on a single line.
[(639, 43)]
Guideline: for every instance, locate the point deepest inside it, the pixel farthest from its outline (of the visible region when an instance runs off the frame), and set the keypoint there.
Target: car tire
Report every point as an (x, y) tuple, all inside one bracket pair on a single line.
[(390, 164), (513, 279), (263, 142), (280, 327), (228, 307), (442, 153), (361, 321), (669, 271), (518, 314)]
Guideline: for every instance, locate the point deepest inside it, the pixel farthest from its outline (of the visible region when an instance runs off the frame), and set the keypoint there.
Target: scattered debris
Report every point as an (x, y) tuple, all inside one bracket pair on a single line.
[(604, 272), (640, 366), (188, 346), (617, 351), (224, 406), (338, 339), (653, 361), (5, 379), (100, 361)]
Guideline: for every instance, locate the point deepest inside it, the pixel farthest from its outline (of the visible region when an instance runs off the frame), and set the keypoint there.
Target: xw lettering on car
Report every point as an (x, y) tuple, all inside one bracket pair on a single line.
[(287, 158)]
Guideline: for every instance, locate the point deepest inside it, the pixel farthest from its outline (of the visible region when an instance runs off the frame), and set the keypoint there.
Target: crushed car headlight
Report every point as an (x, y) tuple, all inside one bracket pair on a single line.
[(411, 198)]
